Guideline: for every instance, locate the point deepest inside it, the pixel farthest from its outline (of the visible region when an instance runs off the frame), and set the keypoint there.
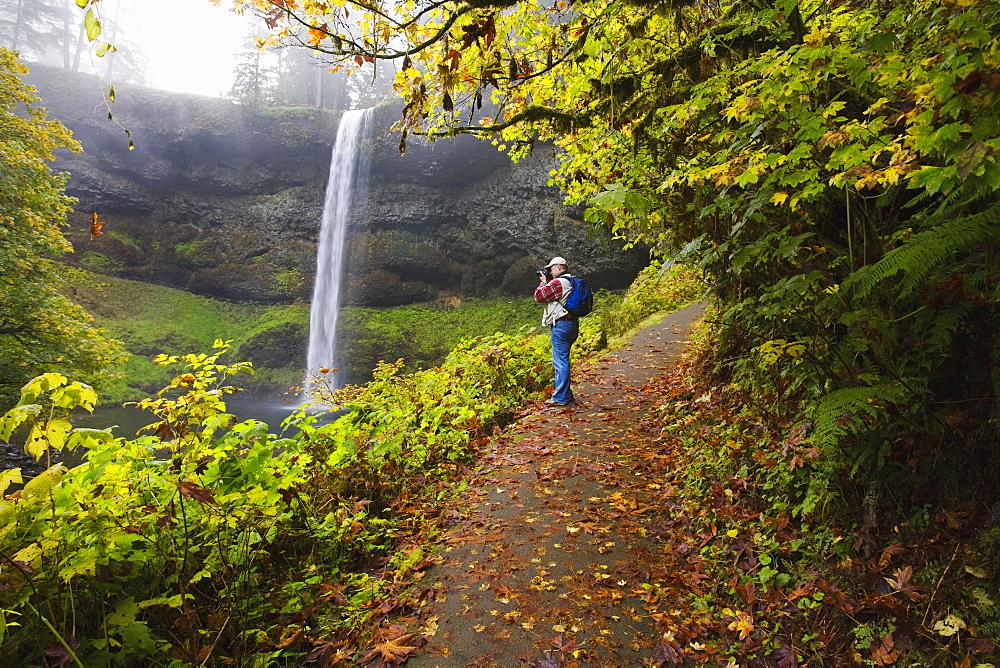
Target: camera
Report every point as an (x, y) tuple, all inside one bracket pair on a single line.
[(545, 273)]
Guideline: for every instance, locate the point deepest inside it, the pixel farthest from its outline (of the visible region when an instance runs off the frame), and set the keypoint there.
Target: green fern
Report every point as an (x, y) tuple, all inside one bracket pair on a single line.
[(846, 411), (990, 629), (925, 251)]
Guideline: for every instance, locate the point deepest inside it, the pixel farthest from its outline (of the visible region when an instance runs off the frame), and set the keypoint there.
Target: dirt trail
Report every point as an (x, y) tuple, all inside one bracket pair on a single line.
[(557, 546)]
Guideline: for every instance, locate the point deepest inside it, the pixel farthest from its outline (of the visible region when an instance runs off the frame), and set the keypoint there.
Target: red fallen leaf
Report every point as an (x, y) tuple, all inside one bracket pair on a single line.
[(565, 645), (333, 591), (693, 579), (361, 505), (969, 83), (549, 660), (196, 492), (901, 583), (980, 645), (164, 432), (834, 596), (786, 657), (888, 553), (801, 591), (902, 580), (885, 603), (955, 519), (388, 606), (746, 592), (503, 591), (23, 565), (273, 17), (302, 615), (327, 655), (884, 653), (668, 653)]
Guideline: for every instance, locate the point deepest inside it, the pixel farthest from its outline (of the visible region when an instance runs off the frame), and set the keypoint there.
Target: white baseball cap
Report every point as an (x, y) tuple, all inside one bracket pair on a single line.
[(556, 260)]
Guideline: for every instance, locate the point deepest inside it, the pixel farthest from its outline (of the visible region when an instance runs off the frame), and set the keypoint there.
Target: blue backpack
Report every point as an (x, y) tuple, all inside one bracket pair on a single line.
[(581, 298)]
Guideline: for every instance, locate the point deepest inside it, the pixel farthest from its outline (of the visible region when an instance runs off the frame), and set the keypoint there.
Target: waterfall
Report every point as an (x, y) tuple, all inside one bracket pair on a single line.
[(348, 176)]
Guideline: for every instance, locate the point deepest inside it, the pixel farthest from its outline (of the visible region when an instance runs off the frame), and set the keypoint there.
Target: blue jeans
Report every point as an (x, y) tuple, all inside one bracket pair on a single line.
[(562, 336)]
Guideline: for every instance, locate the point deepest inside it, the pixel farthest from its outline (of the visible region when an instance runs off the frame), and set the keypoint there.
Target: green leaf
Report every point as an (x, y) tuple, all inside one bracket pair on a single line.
[(44, 482), (15, 417), (170, 601), (82, 562), (56, 432), (92, 24), (36, 443), (882, 42), (89, 438), (125, 613), (40, 385), (8, 512), (137, 634), (75, 395), (970, 159)]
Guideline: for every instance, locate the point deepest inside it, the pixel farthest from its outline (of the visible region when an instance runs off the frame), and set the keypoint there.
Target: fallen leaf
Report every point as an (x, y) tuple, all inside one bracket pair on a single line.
[(392, 650), (949, 626), (884, 652)]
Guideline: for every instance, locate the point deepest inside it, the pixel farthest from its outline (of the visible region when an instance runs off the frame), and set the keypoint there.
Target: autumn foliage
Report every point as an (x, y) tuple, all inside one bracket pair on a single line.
[(40, 330)]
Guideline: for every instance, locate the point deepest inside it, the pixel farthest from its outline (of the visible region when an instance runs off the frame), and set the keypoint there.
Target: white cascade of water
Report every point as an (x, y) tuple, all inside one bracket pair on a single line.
[(348, 176)]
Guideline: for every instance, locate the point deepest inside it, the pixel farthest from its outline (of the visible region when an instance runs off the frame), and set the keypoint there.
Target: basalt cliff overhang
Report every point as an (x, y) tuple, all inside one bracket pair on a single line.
[(227, 202)]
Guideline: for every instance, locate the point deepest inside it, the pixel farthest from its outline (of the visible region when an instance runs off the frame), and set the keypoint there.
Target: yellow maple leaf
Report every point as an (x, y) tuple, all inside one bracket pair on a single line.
[(743, 623)]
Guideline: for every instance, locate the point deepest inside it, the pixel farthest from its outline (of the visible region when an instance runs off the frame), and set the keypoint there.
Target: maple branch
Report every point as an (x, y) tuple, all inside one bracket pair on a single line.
[(356, 49), (626, 88), (532, 114)]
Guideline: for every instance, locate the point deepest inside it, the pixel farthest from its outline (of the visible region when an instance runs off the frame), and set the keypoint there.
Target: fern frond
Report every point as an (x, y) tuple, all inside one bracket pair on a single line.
[(845, 411), (919, 256)]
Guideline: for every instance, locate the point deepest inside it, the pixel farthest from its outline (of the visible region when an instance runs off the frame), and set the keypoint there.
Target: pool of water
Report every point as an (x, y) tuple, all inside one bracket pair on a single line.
[(128, 420)]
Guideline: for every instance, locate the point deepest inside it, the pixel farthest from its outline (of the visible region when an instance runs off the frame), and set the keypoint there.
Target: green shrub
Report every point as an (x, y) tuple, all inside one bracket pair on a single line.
[(185, 544)]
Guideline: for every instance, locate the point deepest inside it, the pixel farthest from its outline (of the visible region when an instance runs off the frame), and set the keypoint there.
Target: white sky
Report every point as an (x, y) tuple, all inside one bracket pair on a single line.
[(191, 45)]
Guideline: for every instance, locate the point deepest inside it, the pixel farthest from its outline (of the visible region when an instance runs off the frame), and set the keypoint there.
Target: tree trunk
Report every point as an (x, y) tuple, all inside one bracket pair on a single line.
[(18, 17)]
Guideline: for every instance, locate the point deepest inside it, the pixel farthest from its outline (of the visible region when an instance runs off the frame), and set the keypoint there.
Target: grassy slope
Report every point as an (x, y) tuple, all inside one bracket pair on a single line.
[(153, 319)]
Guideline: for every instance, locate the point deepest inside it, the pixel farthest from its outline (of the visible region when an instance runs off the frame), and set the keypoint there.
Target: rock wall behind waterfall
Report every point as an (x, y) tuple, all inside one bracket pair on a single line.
[(224, 202)]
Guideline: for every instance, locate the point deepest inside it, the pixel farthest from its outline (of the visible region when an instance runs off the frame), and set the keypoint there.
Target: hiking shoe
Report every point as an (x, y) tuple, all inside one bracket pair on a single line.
[(553, 402)]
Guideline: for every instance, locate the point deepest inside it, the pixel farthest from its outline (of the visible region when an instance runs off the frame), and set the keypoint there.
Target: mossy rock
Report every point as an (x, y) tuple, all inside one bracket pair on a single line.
[(277, 346), (240, 282), (522, 278), (404, 254), (384, 288)]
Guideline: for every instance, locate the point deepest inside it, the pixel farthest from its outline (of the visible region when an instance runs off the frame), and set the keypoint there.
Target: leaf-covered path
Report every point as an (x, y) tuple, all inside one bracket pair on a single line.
[(554, 548)]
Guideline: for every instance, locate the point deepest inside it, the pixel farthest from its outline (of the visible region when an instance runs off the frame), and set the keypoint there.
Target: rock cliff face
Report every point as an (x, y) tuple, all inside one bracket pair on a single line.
[(223, 202)]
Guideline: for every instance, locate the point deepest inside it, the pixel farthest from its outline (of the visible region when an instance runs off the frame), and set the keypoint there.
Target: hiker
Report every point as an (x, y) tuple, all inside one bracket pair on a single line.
[(553, 289)]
